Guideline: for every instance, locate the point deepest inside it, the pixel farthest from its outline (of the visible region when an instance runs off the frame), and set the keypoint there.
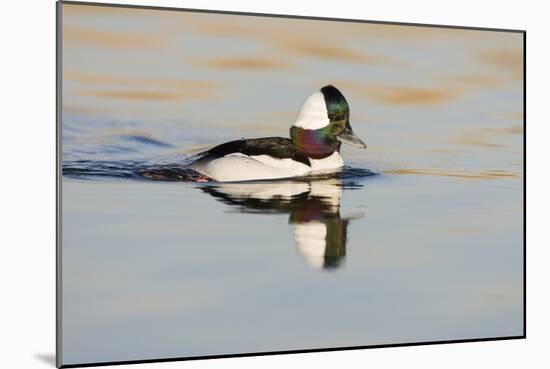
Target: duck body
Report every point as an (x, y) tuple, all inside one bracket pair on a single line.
[(262, 158), (314, 145)]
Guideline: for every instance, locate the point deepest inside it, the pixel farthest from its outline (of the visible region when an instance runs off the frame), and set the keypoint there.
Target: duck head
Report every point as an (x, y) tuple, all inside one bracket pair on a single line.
[(323, 124)]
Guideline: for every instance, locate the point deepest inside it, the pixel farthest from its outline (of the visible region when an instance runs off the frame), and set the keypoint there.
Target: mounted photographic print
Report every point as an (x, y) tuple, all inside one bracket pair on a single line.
[(240, 184)]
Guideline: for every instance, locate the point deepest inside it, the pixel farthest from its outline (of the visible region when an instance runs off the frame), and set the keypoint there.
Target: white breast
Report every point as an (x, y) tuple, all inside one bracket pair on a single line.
[(333, 161)]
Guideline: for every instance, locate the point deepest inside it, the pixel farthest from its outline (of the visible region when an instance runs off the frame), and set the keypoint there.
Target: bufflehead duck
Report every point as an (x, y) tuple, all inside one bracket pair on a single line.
[(314, 145)]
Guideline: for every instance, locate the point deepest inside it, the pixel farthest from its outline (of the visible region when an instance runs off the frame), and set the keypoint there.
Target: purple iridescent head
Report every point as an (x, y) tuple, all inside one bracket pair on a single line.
[(323, 124)]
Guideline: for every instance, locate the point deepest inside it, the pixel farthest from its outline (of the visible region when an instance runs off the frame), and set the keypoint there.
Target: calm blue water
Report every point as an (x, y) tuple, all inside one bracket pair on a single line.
[(169, 269)]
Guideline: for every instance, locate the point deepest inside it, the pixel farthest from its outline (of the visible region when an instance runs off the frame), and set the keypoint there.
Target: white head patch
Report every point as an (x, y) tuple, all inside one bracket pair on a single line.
[(313, 114)]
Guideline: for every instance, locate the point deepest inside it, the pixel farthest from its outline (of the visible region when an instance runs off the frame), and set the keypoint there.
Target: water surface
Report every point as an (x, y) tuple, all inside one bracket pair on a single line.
[(419, 238)]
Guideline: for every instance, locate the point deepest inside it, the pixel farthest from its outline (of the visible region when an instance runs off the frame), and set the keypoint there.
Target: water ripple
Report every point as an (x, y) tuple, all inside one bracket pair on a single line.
[(179, 172)]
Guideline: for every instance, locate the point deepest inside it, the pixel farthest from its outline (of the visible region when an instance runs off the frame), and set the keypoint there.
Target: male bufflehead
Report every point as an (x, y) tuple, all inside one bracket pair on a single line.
[(314, 145)]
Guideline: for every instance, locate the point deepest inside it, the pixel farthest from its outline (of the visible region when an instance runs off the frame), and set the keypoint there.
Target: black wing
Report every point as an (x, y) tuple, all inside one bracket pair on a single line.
[(277, 147)]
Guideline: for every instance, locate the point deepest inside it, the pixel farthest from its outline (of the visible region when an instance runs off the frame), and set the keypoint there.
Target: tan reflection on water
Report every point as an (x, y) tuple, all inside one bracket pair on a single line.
[(145, 95), (147, 89), (475, 81), (508, 60), (278, 31), (76, 10), (508, 115), (85, 110), (293, 38), (106, 79), (486, 136), (474, 138), (474, 175), (516, 130), (80, 37), (319, 50), (411, 95), (244, 63), (402, 95)]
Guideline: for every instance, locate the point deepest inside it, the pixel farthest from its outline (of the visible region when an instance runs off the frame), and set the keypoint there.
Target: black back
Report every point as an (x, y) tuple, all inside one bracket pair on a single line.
[(277, 147)]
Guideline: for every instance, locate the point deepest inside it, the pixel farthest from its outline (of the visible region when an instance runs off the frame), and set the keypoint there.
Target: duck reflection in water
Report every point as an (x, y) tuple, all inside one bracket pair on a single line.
[(320, 232)]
